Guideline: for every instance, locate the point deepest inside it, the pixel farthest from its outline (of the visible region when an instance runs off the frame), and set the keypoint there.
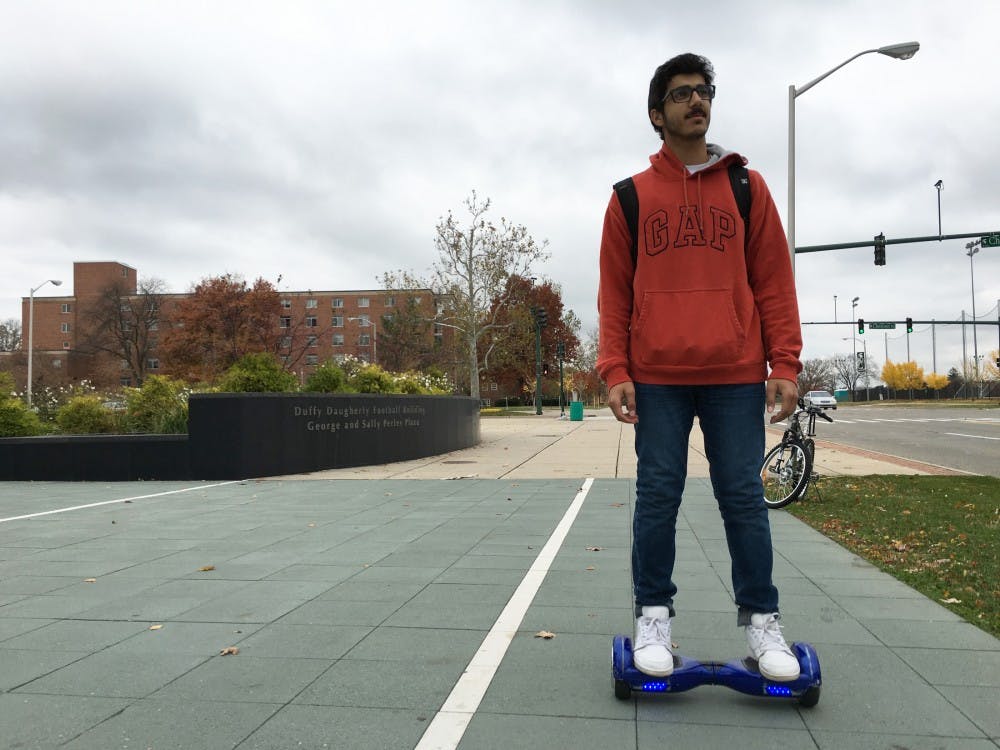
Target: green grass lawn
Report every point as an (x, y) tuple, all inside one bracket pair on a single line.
[(938, 534)]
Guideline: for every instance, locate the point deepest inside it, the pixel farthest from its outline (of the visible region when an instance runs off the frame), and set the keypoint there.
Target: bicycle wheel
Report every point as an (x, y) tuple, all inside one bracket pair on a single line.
[(785, 474)]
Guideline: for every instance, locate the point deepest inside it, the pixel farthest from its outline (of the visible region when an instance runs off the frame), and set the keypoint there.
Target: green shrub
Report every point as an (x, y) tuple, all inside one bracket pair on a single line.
[(7, 387), (372, 379), (17, 420), (85, 415), (257, 373), (160, 406), (327, 378)]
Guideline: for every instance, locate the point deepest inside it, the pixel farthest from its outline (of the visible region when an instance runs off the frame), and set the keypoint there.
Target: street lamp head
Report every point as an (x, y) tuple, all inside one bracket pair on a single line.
[(939, 184), (900, 51), (855, 300), (55, 282)]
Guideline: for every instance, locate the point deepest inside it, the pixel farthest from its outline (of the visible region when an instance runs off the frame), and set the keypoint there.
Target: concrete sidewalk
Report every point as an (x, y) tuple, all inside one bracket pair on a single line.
[(365, 614), (546, 446)]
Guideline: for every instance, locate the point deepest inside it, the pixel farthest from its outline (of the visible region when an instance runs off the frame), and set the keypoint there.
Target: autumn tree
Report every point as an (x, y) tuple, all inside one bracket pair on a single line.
[(221, 320), (583, 377), (10, 335), (470, 275), (903, 376), (124, 325), (936, 383), (845, 370), (509, 348)]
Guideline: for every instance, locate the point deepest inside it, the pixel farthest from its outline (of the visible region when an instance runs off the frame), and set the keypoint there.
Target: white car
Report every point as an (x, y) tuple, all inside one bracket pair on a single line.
[(820, 398)]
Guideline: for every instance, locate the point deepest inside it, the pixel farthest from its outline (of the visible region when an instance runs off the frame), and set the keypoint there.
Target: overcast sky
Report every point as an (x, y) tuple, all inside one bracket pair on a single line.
[(321, 141)]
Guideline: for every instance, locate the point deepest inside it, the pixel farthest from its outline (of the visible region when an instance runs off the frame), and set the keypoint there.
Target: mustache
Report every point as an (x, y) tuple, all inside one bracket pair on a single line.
[(695, 112)]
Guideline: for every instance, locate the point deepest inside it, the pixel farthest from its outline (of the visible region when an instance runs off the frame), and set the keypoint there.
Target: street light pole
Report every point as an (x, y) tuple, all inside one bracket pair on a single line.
[(897, 51), (835, 308), (854, 347), (940, 186), (31, 328), (973, 248)]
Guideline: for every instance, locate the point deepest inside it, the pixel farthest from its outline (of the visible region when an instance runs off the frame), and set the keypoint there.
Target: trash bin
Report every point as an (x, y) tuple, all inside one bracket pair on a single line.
[(576, 411)]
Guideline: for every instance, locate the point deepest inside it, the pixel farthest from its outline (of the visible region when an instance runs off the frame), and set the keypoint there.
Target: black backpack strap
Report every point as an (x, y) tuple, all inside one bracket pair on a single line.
[(629, 201), (739, 177)]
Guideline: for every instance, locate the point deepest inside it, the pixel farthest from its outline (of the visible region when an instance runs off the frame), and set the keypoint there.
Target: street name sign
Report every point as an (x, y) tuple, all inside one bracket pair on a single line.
[(991, 240), (880, 326)]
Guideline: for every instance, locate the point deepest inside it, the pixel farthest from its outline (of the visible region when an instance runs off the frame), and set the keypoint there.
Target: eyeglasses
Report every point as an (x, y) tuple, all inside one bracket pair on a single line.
[(683, 94)]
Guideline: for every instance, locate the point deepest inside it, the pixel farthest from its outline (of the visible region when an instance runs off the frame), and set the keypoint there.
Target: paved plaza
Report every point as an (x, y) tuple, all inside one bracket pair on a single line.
[(399, 606)]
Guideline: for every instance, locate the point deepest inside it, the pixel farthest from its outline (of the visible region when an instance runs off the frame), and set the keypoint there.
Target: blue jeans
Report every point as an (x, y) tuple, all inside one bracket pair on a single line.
[(731, 418)]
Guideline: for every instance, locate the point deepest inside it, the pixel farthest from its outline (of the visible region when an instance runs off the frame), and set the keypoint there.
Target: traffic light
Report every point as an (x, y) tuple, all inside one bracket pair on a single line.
[(561, 350), (880, 249), (861, 325), (998, 363), (545, 369), (541, 316), (909, 325)]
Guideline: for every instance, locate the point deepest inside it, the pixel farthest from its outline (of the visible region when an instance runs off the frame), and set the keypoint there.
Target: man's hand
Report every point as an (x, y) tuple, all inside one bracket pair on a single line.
[(621, 399), (789, 397)]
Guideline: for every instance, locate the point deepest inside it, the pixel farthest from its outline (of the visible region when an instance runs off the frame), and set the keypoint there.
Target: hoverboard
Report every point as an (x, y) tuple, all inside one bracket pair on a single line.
[(741, 675)]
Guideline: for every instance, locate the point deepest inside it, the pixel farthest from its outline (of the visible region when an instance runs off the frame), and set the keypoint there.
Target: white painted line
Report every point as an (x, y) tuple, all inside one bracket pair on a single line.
[(977, 437), (119, 500), (449, 724)]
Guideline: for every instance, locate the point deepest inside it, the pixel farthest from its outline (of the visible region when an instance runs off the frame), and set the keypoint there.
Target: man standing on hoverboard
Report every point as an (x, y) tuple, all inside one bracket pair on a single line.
[(689, 327)]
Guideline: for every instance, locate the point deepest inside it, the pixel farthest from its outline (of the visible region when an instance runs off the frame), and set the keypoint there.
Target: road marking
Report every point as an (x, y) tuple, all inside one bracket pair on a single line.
[(977, 437), (449, 724), (111, 502)]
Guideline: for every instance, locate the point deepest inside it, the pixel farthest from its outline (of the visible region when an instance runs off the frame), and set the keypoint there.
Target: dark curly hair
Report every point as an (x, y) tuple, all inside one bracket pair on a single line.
[(686, 64)]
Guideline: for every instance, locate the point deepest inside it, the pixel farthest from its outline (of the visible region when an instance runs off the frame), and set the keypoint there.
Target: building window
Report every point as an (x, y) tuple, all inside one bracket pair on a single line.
[(154, 326), (66, 307), (57, 363), (125, 380), (64, 327), (338, 302), (152, 364), (363, 302), (363, 356), (494, 387), (286, 321), (286, 342), (390, 301), (364, 340), (312, 341), (338, 339), (311, 322), (311, 359), (340, 358), (65, 345), (338, 321), (310, 304), (286, 304), (364, 321)]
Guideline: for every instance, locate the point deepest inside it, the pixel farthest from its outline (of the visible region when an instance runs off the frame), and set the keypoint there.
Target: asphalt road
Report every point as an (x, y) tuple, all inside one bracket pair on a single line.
[(965, 438)]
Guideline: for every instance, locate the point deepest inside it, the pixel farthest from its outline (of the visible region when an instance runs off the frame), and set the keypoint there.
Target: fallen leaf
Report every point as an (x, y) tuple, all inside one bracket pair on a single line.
[(90, 580), (594, 549), (155, 627), (312, 526), (951, 600), (206, 568), (591, 567), (229, 651), (545, 634)]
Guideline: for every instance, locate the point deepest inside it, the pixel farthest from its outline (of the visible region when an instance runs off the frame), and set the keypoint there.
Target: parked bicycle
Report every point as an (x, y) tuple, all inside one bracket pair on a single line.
[(788, 466)]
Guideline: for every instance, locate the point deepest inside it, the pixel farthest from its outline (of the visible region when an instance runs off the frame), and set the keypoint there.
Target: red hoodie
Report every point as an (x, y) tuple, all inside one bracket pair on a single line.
[(696, 309)]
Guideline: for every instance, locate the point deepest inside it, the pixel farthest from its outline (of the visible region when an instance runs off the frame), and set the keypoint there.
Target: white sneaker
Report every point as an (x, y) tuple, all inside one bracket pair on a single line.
[(651, 649), (767, 645)]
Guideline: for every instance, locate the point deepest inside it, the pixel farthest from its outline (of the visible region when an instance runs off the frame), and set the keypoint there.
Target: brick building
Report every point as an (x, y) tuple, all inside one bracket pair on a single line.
[(314, 327)]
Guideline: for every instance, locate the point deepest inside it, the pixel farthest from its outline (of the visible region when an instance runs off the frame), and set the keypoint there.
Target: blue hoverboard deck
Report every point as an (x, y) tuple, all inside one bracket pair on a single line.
[(740, 675)]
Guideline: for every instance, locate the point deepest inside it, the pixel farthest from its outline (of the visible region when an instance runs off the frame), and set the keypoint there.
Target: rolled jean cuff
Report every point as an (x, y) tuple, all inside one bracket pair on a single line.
[(669, 606), (743, 616)]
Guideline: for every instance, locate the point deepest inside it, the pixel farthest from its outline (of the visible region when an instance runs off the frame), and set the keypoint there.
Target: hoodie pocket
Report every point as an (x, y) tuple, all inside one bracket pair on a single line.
[(688, 328)]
